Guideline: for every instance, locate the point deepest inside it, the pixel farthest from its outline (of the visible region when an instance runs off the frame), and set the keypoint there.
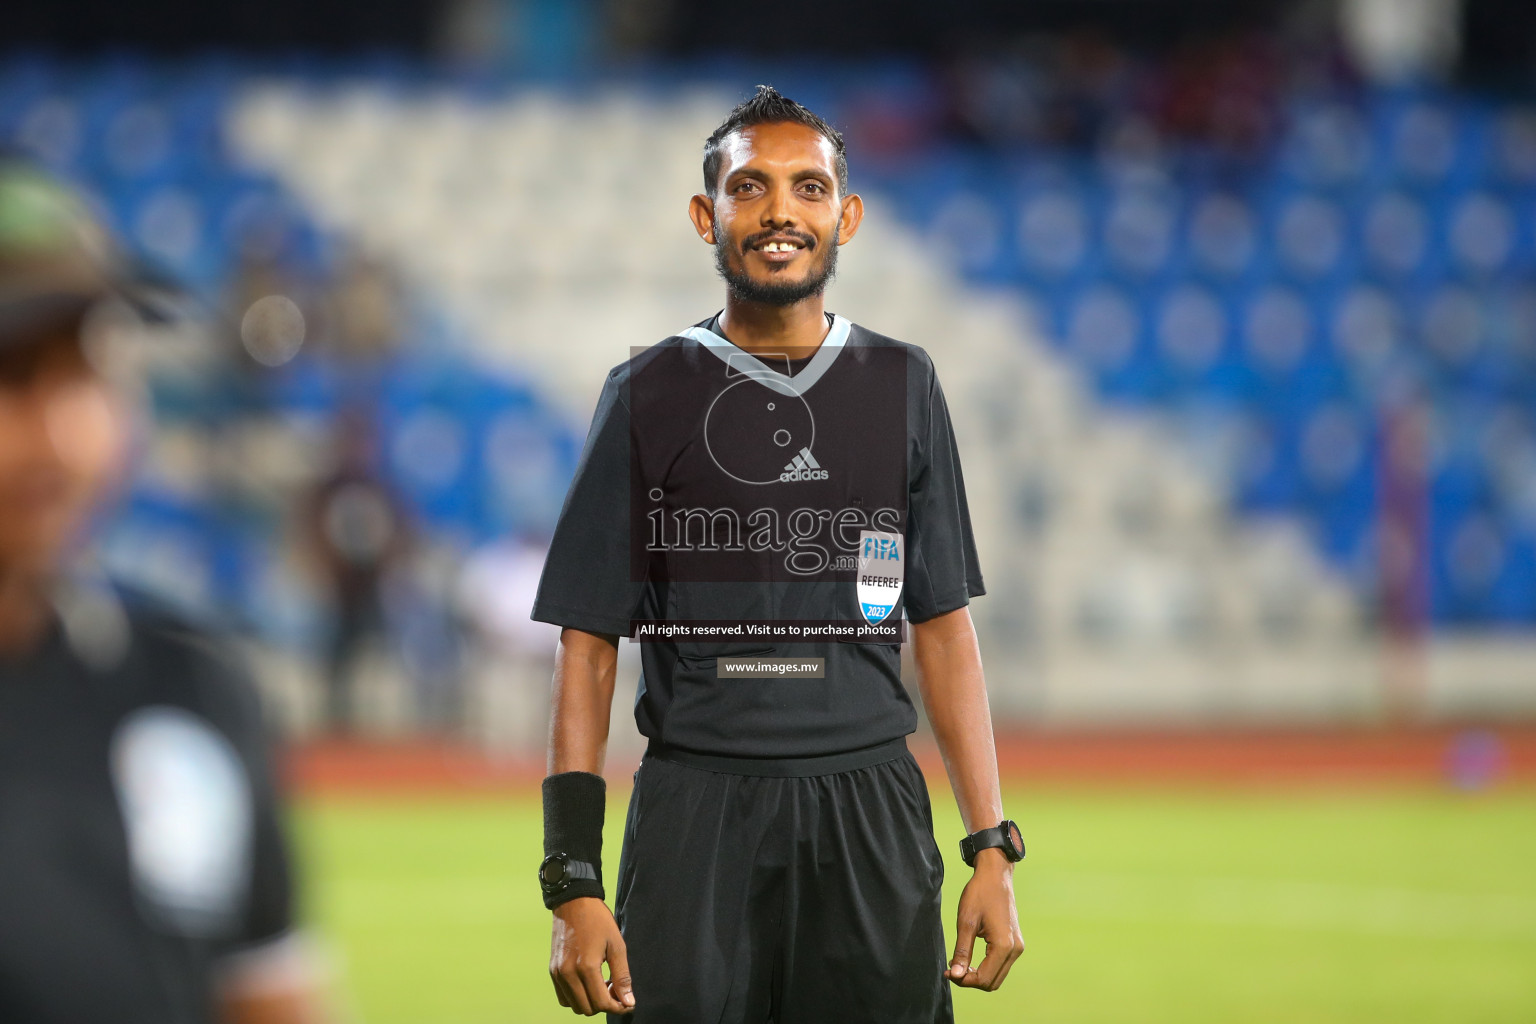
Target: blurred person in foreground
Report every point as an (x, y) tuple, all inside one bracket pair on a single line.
[(144, 875), (770, 474)]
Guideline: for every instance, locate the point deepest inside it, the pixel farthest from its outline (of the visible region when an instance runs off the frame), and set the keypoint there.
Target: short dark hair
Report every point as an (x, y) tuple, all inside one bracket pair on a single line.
[(769, 106)]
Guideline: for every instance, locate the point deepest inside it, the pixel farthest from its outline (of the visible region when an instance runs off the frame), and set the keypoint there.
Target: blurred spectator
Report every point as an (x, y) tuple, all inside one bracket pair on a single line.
[(365, 314), (358, 535), (1476, 759), (514, 658), (1059, 91), (428, 636), (1088, 91), (1224, 93)]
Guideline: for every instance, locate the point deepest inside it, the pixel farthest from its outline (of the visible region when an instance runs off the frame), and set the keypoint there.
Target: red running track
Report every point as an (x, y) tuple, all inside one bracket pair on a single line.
[(1440, 756)]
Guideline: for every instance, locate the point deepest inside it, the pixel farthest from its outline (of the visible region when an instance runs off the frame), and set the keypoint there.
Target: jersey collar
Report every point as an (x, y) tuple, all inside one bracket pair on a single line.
[(740, 361)]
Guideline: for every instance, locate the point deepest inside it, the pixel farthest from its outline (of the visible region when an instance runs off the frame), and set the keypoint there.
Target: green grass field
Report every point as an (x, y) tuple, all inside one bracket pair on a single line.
[(1144, 906)]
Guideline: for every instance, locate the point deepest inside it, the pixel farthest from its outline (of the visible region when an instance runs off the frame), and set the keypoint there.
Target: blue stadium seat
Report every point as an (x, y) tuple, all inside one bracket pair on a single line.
[(1056, 234), (1512, 597), (1329, 145), (1138, 232), (1310, 235), (1221, 236)]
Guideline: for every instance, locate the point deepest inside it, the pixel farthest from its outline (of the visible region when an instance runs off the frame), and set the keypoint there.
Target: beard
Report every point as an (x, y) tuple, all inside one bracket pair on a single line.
[(773, 293)]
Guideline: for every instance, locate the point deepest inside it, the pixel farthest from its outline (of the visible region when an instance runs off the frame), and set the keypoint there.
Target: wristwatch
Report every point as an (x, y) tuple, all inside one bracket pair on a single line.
[(558, 870), (1005, 836)]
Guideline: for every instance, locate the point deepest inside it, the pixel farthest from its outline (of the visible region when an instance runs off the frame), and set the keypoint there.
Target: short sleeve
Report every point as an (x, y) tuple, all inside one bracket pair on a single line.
[(231, 700), (588, 582), (943, 571)]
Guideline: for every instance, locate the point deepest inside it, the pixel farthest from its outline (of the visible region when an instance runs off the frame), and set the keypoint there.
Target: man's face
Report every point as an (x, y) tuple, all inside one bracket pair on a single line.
[(776, 219), (63, 438)]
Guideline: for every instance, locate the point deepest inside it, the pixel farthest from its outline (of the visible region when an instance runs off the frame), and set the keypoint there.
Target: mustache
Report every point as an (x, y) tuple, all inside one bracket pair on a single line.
[(752, 241)]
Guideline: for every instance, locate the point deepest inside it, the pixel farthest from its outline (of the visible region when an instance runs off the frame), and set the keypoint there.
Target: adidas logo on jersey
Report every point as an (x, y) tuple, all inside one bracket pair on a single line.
[(803, 467)]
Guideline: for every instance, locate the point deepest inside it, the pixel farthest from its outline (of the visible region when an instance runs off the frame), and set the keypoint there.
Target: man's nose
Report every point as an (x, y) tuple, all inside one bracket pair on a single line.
[(779, 211)]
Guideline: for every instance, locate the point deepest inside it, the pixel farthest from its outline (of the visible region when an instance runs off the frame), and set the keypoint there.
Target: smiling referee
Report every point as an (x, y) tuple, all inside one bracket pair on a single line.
[(144, 877), (762, 499)]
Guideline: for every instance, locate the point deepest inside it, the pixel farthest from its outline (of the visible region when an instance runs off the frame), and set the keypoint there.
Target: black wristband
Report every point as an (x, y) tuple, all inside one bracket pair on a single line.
[(573, 825)]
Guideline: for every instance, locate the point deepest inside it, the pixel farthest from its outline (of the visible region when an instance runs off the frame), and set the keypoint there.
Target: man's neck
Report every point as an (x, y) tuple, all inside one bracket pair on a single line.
[(756, 327), (24, 611)]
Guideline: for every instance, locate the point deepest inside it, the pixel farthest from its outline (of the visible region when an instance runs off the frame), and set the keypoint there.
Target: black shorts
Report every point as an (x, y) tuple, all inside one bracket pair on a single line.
[(808, 895)]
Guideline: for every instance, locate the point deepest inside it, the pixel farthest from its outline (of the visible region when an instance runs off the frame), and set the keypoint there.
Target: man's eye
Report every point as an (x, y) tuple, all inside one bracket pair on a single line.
[(746, 186), (812, 186)]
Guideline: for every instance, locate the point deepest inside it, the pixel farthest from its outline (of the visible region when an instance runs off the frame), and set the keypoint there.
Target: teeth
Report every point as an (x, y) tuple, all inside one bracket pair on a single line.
[(780, 247)]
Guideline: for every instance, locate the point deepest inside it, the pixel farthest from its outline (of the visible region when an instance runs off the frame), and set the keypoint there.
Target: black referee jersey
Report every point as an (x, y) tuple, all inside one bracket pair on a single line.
[(140, 844), (723, 490)]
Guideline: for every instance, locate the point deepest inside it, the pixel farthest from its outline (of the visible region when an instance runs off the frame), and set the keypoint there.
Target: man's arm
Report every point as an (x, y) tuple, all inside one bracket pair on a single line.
[(585, 933), (955, 695)]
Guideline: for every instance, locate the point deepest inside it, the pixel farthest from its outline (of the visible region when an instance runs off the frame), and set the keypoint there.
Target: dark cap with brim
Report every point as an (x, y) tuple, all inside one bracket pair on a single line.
[(29, 317), (57, 260)]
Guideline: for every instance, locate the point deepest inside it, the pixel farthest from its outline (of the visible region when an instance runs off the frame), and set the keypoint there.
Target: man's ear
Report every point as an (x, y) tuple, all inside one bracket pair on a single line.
[(701, 210), (853, 216)]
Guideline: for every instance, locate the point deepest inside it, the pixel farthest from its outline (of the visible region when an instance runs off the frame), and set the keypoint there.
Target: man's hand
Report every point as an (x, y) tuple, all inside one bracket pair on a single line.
[(987, 912), (586, 936), (276, 982)]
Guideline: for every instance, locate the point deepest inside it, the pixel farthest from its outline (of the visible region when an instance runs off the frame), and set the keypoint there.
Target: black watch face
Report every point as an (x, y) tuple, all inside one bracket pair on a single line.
[(552, 871), (1015, 839)]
